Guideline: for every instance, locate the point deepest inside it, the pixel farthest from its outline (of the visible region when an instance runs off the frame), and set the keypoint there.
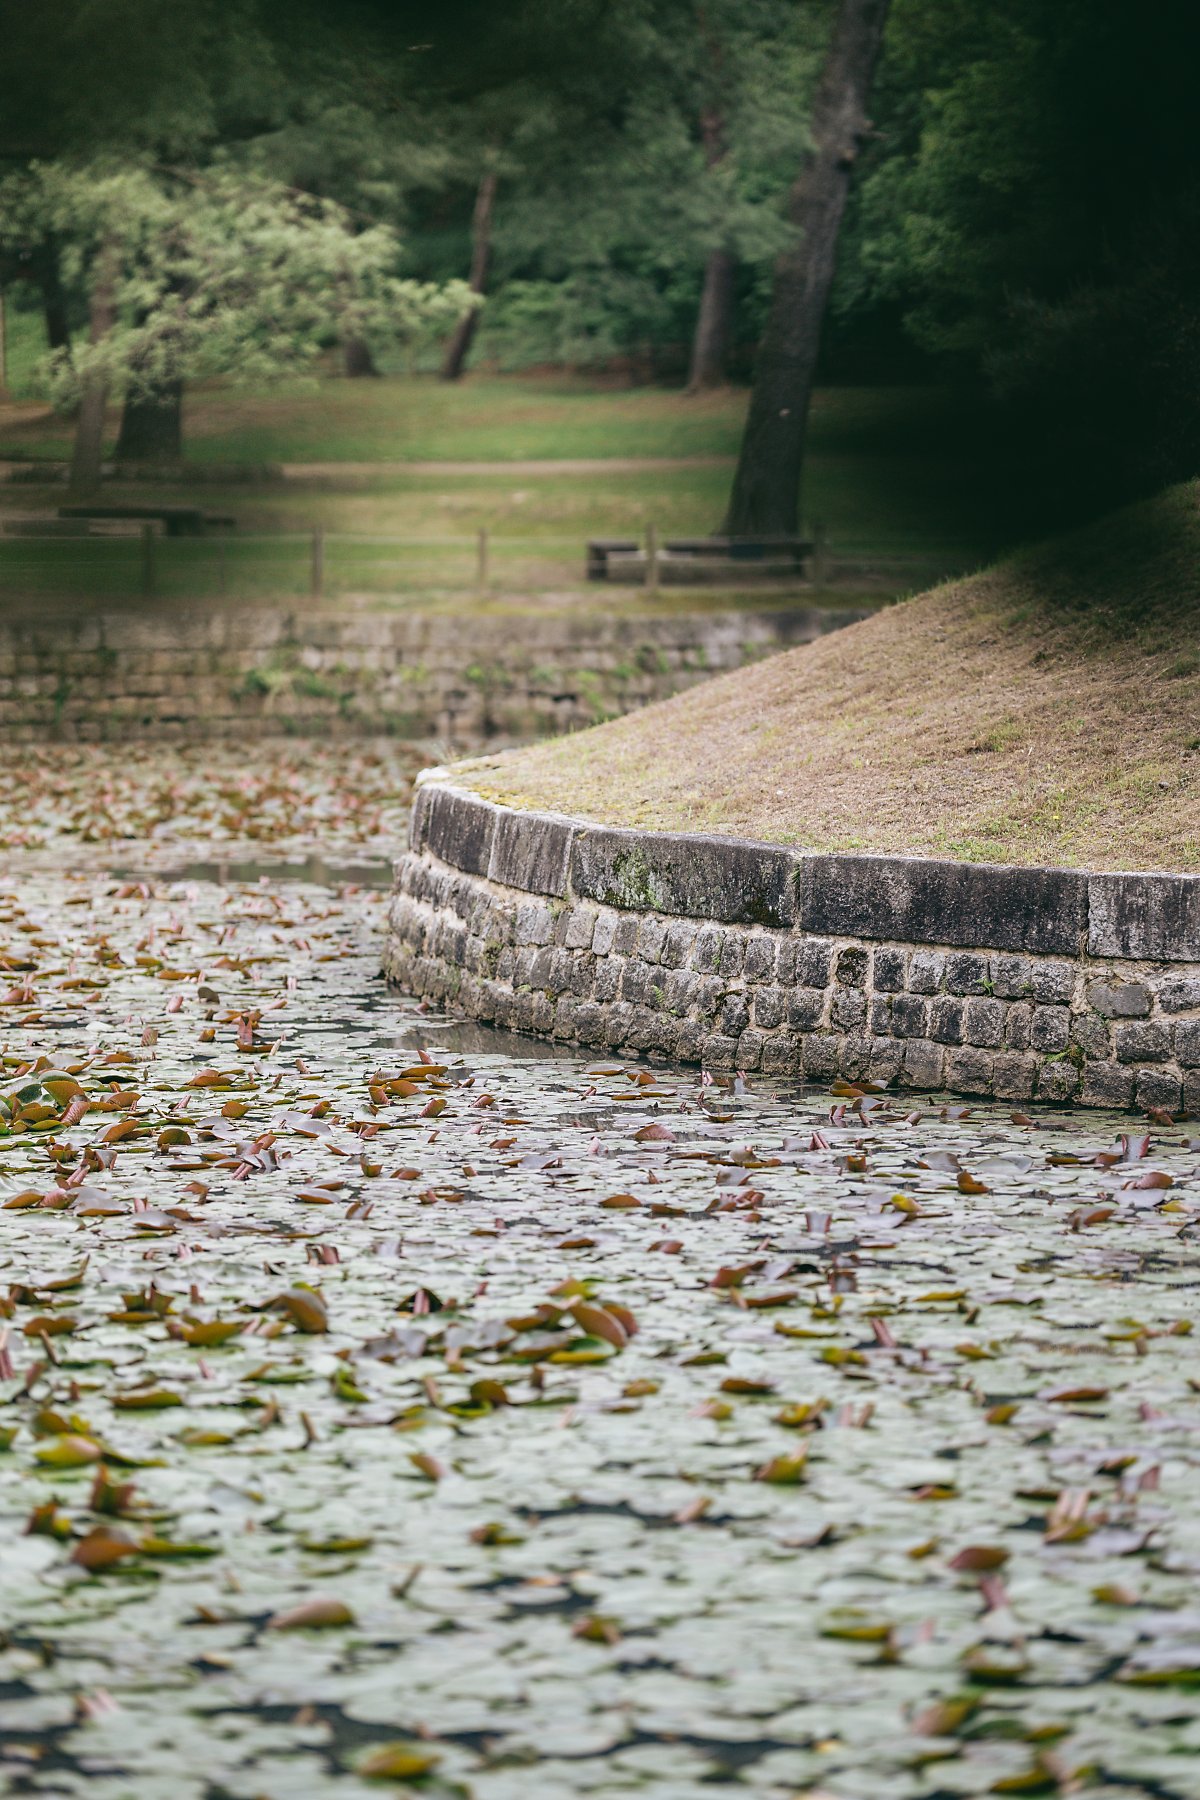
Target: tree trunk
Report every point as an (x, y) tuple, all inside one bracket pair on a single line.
[(766, 487), (54, 301), (481, 259), (152, 427), (87, 456), (714, 323), (357, 360)]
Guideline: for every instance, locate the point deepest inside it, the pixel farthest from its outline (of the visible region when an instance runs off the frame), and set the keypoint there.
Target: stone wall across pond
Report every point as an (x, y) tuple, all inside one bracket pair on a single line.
[(185, 671), (1022, 984)]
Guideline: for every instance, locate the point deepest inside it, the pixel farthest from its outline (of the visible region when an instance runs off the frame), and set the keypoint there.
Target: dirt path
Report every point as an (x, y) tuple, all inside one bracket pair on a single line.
[(545, 465)]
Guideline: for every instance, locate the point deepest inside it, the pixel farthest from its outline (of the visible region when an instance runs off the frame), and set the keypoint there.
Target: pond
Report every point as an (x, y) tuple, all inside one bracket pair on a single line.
[(390, 1405)]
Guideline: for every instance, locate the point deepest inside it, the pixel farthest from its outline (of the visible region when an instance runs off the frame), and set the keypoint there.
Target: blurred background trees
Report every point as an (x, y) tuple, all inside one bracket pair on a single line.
[(270, 184)]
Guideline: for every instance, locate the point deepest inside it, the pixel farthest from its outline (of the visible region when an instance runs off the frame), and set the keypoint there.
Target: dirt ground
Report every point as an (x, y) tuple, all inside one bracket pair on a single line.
[(1044, 711)]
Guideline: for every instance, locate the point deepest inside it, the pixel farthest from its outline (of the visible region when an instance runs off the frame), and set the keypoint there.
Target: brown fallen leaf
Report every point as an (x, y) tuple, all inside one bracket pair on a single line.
[(317, 1614)]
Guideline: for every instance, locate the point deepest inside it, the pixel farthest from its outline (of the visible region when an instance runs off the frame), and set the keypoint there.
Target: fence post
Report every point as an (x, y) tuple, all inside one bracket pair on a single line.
[(318, 562), (148, 562), (482, 560), (820, 557), (652, 558)]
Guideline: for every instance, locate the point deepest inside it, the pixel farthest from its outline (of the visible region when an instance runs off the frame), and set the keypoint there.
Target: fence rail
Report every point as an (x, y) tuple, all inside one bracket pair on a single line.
[(322, 564)]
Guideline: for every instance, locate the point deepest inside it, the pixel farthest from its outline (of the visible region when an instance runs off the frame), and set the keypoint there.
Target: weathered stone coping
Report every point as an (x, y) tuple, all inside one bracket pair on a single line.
[(1016, 983), (916, 900)]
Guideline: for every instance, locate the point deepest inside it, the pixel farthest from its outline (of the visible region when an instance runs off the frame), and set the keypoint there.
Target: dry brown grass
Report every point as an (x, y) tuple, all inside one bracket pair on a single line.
[(1044, 711)]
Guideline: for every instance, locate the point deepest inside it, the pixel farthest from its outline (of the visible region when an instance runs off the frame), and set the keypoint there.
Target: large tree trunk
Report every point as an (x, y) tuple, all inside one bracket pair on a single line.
[(152, 427), (766, 487), (481, 260), (357, 360), (87, 454), (714, 323)]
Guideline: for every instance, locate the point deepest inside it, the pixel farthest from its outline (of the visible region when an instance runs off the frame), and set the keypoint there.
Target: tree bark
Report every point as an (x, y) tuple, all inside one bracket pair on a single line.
[(714, 323), (357, 360), (481, 262), (87, 455), (152, 427), (766, 487)]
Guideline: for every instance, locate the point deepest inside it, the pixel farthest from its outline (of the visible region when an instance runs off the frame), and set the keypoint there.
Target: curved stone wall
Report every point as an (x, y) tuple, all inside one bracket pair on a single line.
[(981, 979)]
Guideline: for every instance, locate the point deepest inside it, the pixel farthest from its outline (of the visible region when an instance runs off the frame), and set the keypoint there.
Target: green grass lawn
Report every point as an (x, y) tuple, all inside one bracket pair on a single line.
[(892, 473)]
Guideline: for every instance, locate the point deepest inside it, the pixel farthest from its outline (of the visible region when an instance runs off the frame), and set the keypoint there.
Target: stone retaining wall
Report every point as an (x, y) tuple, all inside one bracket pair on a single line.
[(1018, 983), (185, 671)]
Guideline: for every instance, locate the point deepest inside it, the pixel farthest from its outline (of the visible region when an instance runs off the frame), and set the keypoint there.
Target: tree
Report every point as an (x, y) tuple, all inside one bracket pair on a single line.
[(766, 486), (194, 274), (1033, 208), (481, 262)]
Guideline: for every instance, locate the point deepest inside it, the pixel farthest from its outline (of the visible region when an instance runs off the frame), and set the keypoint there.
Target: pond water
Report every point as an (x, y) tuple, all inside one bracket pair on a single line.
[(388, 1404)]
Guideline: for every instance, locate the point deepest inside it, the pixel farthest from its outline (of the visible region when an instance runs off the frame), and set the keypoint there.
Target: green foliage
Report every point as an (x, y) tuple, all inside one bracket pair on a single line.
[(213, 272)]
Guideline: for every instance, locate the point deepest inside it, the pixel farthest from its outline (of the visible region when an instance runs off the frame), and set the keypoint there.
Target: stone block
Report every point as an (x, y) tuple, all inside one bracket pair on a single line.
[(969, 1071), (749, 1050), (1182, 995), (1051, 1029), (604, 932), (706, 951), (879, 1015), (678, 947), (967, 974), (1187, 1043), (1059, 1081), (691, 875), (581, 924), (924, 1065), (984, 1024), (1093, 1036), (1119, 999), (458, 827), (780, 1053), (1144, 916), (806, 1007), (770, 1008), (926, 972), (720, 1052), (851, 967), (919, 901), (531, 851), (625, 936), (651, 938), (1012, 977), (735, 1015), (1144, 1042), (534, 923), (1158, 1087), (760, 957), (910, 1016), (1018, 1020), (1053, 983), (1014, 1076), (946, 1019), (1103, 1084), (888, 972), (813, 962), (821, 1052), (732, 957), (848, 1009)]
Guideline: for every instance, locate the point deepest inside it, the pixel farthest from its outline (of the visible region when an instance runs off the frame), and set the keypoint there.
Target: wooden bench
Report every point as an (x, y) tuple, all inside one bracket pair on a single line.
[(685, 561), (38, 525), (175, 521)]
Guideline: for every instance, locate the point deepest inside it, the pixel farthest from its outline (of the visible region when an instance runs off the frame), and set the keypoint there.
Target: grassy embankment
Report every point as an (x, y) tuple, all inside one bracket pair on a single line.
[(1044, 711), (889, 479)]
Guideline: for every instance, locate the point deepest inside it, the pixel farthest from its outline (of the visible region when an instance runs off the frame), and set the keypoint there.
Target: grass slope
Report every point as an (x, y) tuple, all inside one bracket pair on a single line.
[(1046, 710)]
